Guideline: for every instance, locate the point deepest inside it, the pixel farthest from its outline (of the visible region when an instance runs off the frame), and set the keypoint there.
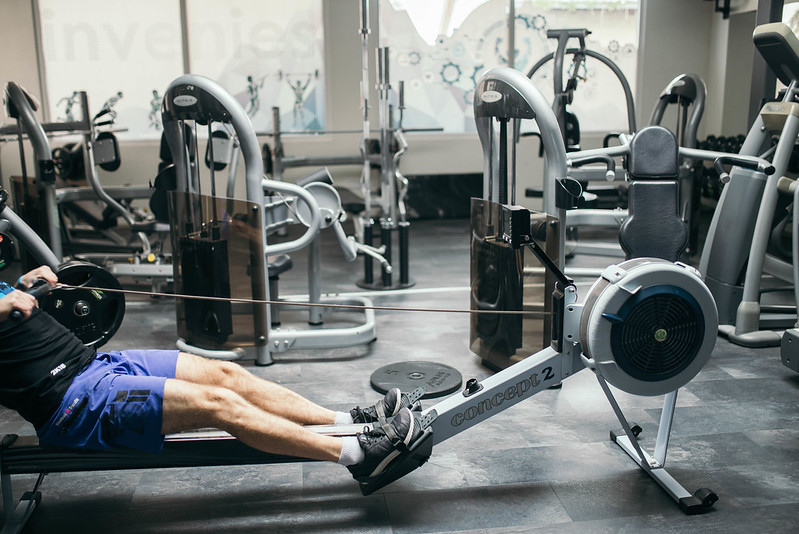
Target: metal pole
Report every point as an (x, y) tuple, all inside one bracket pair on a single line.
[(403, 252), (365, 181), (184, 36), (388, 203), (386, 241), (366, 186), (511, 33)]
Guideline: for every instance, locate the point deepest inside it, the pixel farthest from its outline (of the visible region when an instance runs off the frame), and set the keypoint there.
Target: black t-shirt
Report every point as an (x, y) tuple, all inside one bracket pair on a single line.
[(38, 360)]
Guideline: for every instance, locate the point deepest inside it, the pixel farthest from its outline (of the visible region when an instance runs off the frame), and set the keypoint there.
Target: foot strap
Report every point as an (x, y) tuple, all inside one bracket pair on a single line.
[(415, 395), (413, 404)]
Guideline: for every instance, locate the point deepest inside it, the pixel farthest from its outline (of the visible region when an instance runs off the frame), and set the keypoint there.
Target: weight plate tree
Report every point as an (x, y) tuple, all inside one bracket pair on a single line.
[(89, 312)]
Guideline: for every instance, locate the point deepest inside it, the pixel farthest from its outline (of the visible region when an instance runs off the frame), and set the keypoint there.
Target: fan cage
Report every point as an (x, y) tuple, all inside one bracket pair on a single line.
[(657, 333)]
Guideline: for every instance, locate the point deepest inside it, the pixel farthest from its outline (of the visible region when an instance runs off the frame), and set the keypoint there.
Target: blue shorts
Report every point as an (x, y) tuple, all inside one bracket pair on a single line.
[(116, 401)]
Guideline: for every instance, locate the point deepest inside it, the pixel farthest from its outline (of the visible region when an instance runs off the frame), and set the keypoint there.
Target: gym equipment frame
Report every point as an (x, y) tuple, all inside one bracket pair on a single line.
[(686, 90), (124, 255), (735, 256), (203, 101), (570, 131)]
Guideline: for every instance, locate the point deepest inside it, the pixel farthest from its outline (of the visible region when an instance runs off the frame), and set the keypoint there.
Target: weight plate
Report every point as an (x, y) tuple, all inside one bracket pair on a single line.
[(89, 312), (329, 204), (437, 379), (7, 252)]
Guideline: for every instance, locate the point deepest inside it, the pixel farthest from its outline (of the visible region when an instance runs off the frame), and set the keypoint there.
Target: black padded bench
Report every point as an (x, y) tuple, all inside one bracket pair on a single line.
[(23, 455)]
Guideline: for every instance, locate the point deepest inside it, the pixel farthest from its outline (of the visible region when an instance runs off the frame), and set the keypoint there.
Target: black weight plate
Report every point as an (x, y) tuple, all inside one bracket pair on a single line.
[(89, 312), (437, 379)]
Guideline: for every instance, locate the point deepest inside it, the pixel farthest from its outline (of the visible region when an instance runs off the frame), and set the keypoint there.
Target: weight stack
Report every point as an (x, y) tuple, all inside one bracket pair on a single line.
[(503, 279), (205, 273)]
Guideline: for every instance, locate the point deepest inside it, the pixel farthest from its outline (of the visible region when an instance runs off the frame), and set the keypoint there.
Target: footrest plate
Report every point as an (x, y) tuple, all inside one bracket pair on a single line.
[(418, 453)]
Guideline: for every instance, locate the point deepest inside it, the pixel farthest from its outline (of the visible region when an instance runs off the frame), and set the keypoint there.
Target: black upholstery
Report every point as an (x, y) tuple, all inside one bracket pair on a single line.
[(653, 228), (653, 155)]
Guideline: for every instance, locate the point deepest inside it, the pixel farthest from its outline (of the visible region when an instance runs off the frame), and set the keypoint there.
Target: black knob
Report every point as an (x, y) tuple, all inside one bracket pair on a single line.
[(82, 308), (472, 387)]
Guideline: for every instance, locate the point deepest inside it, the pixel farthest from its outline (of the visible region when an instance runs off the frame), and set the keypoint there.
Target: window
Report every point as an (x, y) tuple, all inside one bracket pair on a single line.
[(270, 53), (125, 54), (265, 53), (441, 48), (790, 16)]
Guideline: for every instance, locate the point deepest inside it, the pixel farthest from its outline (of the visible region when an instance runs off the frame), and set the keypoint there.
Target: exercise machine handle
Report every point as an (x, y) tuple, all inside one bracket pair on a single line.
[(610, 175), (719, 159), (39, 289), (351, 247), (347, 243), (754, 164)]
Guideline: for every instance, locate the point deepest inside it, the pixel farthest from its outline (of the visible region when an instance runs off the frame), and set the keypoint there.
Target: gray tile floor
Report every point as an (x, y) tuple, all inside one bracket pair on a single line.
[(545, 465)]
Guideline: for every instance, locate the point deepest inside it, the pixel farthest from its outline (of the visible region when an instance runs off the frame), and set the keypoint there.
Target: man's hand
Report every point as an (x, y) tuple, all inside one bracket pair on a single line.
[(44, 272), (16, 300), (21, 301)]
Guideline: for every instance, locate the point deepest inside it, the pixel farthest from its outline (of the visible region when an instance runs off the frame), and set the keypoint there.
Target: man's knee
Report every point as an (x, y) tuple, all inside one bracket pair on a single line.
[(218, 399), (192, 405), (229, 374), (210, 372)]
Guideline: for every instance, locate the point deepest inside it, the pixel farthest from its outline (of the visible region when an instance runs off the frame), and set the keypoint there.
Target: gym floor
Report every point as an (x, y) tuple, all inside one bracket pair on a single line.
[(545, 465)]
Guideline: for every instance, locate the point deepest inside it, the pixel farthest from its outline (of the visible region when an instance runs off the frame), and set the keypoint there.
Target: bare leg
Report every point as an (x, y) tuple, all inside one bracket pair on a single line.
[(189, 406), (268, 396)]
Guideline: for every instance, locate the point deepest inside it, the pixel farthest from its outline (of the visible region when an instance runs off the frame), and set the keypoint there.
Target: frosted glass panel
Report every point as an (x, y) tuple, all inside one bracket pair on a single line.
[(440, 48), (124, 54), (121, 53), (266, 54)]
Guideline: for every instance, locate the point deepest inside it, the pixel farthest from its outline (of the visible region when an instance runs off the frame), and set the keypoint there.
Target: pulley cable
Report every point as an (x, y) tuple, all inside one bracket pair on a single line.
[(531, 313)]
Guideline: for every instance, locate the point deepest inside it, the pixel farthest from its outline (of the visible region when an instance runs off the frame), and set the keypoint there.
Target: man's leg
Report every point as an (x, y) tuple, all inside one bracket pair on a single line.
[(268, 396), (190, 406)]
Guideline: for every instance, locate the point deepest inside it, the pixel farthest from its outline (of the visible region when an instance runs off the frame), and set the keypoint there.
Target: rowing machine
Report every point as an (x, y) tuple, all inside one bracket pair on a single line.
[(647, 326)]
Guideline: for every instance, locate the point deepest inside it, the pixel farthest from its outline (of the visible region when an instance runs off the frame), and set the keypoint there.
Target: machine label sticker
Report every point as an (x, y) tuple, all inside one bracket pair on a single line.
[(487, 404), (491, 96), (185, 100)]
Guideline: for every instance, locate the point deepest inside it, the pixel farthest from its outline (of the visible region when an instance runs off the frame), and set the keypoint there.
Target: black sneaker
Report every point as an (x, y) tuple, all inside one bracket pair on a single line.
[(383, 445), (387, 407)]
